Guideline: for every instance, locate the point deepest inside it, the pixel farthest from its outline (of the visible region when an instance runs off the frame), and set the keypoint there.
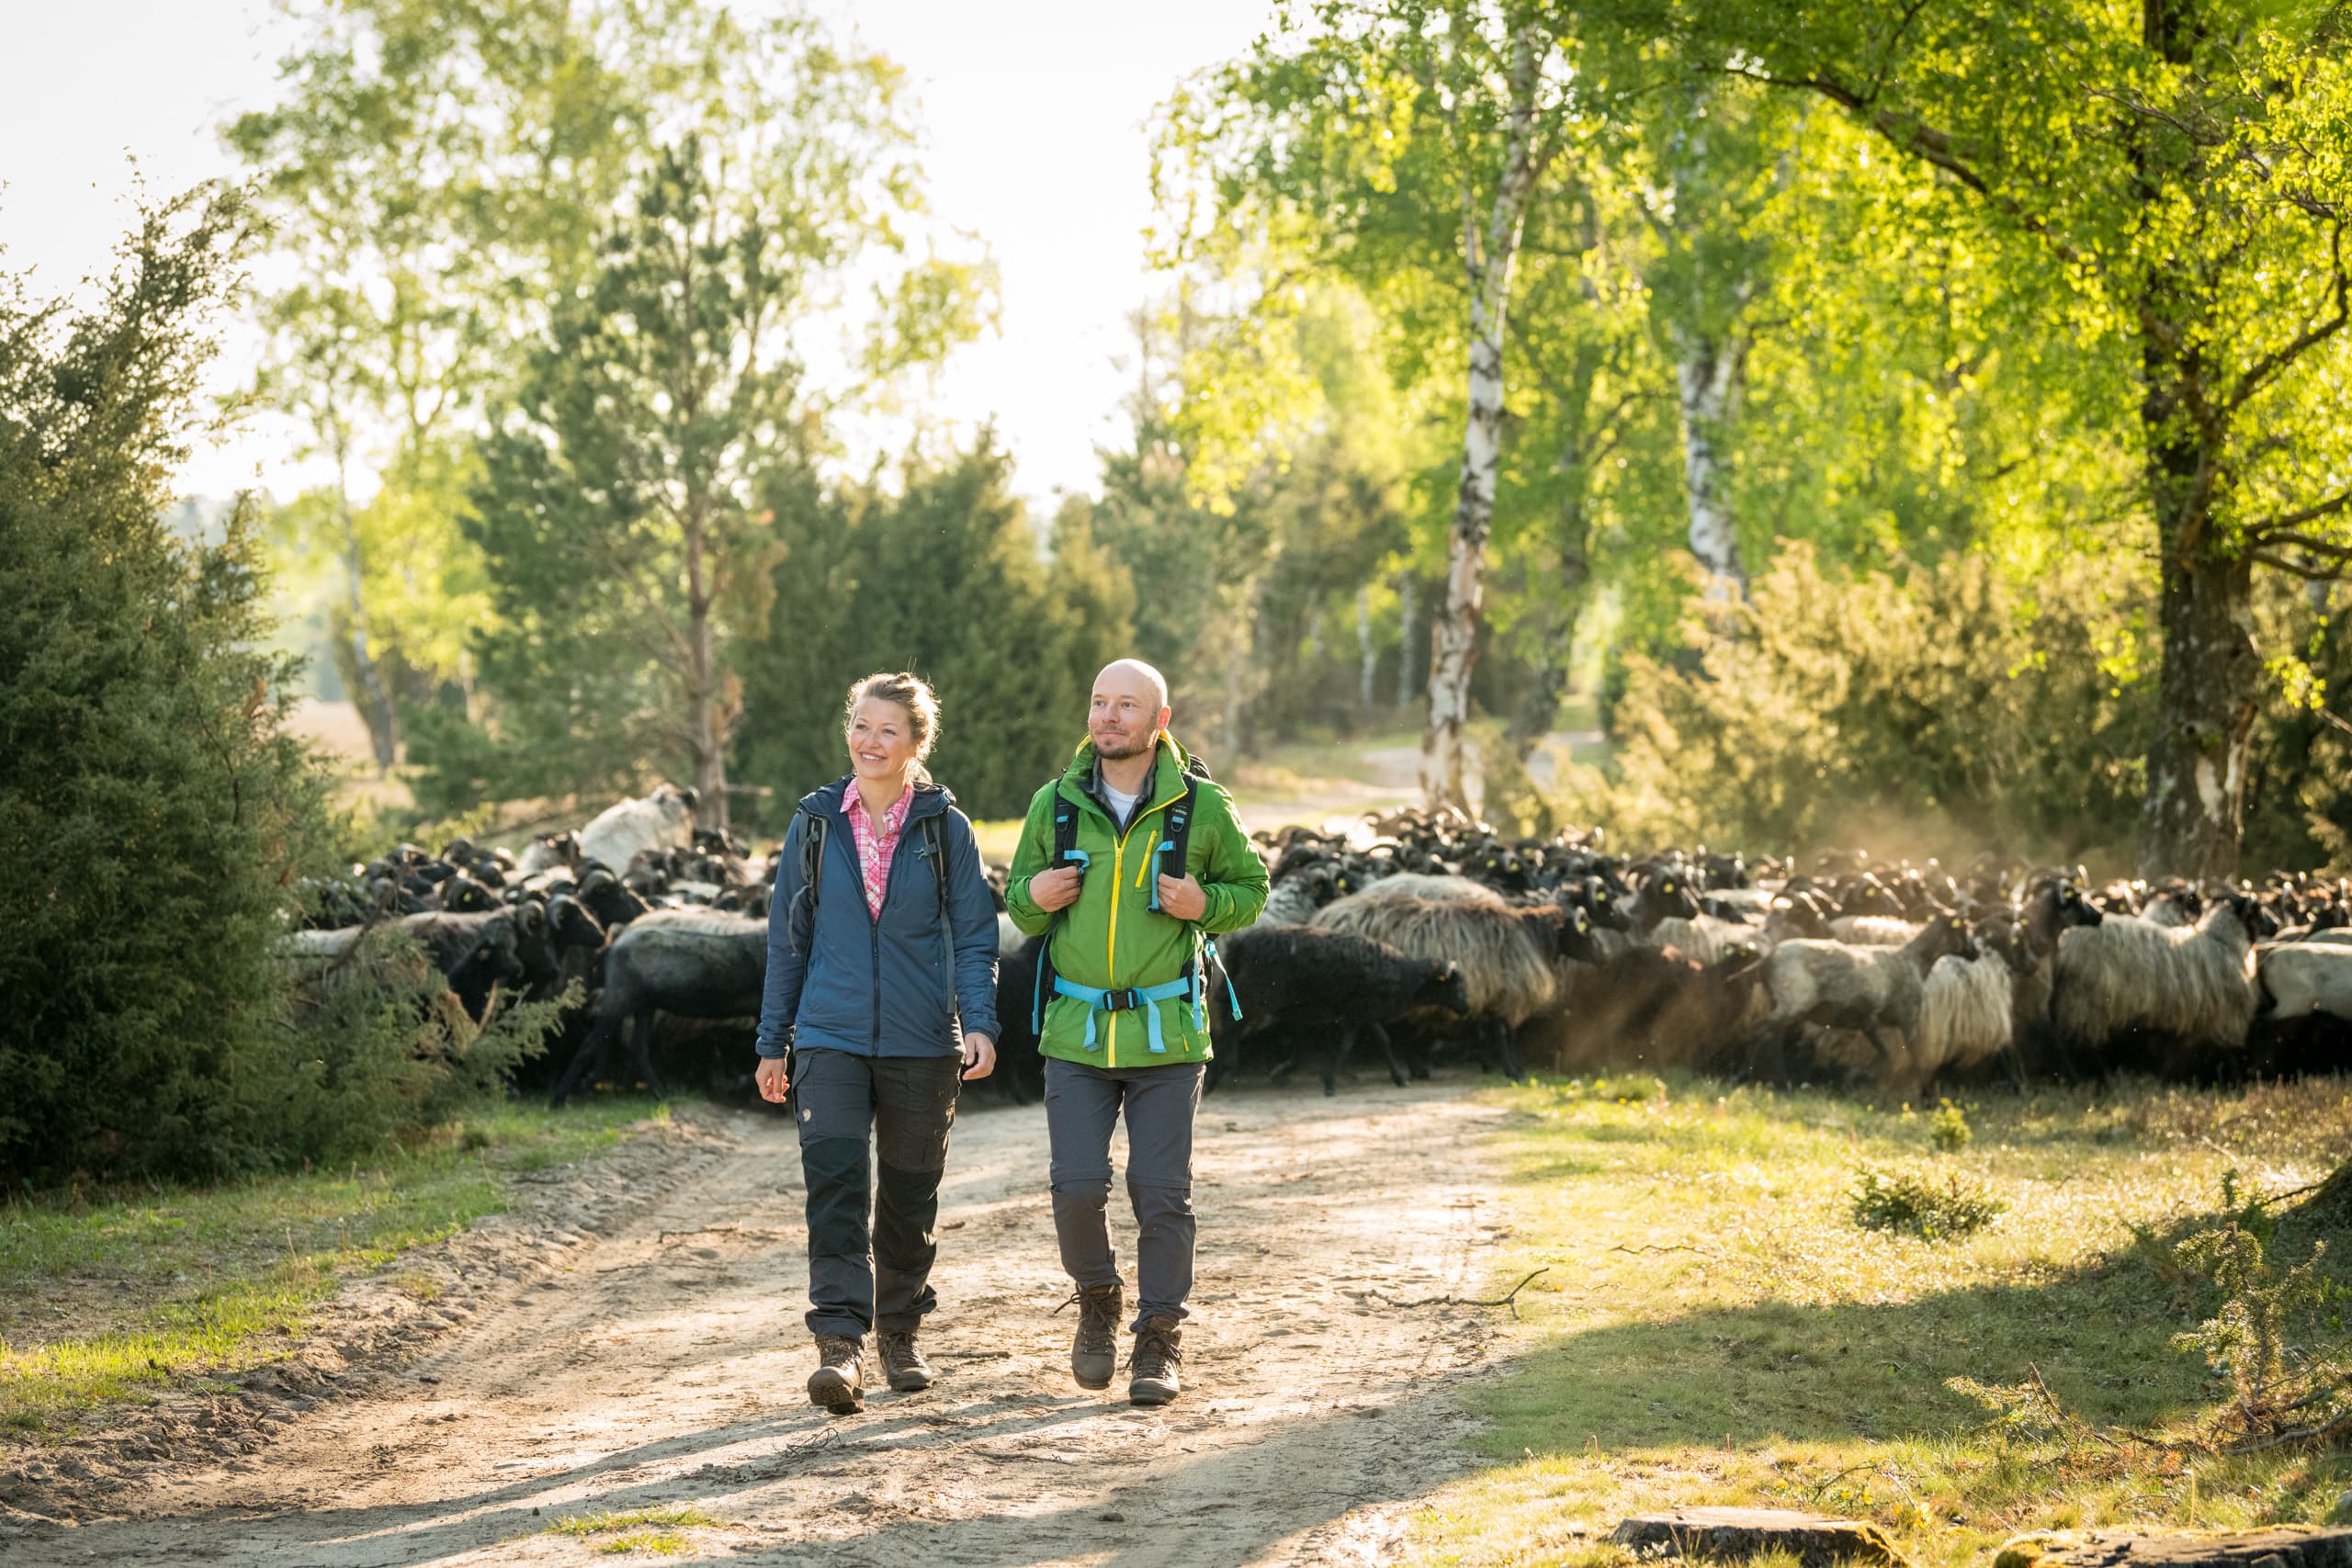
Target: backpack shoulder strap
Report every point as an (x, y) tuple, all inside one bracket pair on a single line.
[(801, 919), (1176, 841), (933, 829), (934, 837)]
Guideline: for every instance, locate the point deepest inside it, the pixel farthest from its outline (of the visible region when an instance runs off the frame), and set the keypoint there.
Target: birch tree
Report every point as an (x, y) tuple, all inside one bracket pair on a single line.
[(1416, 137), (1529, 142)]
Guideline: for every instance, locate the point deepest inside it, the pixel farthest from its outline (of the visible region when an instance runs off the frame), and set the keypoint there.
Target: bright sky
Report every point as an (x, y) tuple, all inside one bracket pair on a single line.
[(1035, 109)]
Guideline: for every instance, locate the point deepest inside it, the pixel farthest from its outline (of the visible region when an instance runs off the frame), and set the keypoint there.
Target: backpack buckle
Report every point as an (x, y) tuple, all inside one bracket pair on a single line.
[(1122, 1000)]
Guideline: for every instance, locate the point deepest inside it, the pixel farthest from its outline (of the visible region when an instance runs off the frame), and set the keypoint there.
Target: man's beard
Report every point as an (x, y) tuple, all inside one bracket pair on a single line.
[(1134, 746)]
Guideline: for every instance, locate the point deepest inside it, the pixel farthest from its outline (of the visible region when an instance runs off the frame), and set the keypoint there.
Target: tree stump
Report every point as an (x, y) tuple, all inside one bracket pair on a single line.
[(1815, 1540), (2283, 1546)]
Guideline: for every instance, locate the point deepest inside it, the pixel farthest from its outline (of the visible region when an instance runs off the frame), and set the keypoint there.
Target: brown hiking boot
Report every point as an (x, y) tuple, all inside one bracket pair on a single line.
[(903, 1362), (839, 1382), (1151, 1371), (1094, 1348)]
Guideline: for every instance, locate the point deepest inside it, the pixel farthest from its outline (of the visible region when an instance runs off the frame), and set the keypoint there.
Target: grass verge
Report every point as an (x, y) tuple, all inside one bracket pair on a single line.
[(115, 1295), (1715, 1329), (641, 1530)]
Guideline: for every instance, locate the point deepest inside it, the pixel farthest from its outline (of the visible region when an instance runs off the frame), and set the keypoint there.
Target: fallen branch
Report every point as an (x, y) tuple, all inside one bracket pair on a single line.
[(1672, 1246), (1505, 1300), (2334, 1427)]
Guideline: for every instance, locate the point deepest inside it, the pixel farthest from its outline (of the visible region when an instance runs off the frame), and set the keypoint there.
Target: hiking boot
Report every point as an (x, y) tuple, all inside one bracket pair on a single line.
[(839, 1382), (1094, 1348), (1151, 1371), (903, 1362)]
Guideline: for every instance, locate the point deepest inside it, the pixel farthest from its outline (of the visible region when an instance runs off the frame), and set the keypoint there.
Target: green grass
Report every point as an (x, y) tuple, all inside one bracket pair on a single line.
[(641, 1530), (1715, 1328), (114, 1296)]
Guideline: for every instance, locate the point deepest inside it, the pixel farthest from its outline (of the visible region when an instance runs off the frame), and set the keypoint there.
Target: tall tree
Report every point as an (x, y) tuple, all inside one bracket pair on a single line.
[(1417, 135), (1594, 393), (400, 258), (435, 177), (618, 506), (2179, 166), (152, 807)]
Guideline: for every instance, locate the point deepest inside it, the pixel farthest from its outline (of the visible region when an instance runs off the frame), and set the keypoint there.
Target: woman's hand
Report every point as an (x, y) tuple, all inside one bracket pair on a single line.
[(771, 1080), (980, 1056)]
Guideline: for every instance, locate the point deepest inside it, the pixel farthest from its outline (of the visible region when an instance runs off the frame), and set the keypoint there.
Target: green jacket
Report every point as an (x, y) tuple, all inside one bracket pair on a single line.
[(1110, 938)]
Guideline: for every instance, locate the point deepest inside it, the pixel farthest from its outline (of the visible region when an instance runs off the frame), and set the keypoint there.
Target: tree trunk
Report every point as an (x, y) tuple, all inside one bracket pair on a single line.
[(1230, 714), (1453, 636), (709, 734), (1409, 605), (368, 693), (1539, 708), (2206, 699), (2209, 686), (1708, 373), (1367, 658)]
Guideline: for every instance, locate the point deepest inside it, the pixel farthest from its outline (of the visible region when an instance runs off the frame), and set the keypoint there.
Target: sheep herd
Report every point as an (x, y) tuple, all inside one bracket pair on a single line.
[(1887, 976), (1416, 938)]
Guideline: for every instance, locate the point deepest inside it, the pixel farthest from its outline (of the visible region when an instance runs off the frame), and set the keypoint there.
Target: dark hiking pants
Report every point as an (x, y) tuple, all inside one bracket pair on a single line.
[(1083, 1103), (861, 1276)]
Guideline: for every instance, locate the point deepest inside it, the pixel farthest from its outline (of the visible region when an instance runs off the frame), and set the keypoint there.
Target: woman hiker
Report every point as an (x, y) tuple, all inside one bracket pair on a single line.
[(881, 934)]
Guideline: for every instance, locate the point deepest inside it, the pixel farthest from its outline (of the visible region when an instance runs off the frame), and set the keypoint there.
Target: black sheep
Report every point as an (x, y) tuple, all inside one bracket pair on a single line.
[(1330, 979), (1020, 1070), (692, 963)]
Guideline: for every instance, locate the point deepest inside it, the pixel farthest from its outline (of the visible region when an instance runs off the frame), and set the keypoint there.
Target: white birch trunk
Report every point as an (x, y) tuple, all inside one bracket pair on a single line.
[(1367, 661), (1453, 635), (1708, 372)]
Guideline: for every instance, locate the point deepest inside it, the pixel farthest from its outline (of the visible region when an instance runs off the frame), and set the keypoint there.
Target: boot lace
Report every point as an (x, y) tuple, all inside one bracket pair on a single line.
[(1155, 1353)]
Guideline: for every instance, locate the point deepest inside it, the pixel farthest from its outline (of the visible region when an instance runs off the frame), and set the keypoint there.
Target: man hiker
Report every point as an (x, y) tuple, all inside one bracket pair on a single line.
[(1132, 860)]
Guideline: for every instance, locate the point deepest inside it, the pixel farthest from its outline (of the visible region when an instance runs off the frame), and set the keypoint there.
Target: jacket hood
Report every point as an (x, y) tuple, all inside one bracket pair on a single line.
[(827, 799)]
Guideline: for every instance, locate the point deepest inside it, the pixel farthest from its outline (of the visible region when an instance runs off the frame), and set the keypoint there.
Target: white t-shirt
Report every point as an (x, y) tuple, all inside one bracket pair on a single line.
[(1124, 805)]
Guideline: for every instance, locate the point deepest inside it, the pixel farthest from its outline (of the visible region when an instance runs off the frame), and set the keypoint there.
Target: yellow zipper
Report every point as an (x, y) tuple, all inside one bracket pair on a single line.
[(1111, 946)]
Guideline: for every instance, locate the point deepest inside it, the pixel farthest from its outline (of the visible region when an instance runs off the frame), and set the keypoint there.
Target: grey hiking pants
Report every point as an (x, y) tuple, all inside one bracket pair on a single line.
[(861, 1276), (1082, 1105)]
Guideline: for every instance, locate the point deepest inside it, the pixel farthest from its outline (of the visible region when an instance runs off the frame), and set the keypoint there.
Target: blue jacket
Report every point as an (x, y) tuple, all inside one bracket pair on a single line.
[(875, 985)]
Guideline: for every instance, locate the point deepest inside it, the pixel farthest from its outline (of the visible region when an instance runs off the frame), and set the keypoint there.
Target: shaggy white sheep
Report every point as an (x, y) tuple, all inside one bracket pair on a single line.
[(662, 820)]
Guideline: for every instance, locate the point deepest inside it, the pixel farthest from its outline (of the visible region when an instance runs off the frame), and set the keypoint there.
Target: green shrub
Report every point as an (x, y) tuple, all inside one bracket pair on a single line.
[(1922, 1208), (370, 1057), (1948, 708), (1948, 1129), (1941, 710)]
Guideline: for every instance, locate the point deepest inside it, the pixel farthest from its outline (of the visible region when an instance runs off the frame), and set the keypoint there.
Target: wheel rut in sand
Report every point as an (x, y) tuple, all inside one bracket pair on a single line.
[(661, 1366)]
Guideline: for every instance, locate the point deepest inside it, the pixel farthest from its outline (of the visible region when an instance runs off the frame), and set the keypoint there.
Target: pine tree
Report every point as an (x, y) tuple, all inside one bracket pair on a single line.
[(945, 578)]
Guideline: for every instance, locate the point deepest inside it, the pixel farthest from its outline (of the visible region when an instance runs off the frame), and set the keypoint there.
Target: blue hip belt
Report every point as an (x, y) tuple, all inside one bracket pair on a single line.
[(1128, 999)]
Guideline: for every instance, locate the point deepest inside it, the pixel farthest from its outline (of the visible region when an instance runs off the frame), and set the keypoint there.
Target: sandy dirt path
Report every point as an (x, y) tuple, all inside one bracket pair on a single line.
[(661, 1364)]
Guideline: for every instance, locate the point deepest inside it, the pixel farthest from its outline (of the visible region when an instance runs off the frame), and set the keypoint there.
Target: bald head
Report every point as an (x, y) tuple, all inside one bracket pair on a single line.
[(1129, 711), (1133, 677)]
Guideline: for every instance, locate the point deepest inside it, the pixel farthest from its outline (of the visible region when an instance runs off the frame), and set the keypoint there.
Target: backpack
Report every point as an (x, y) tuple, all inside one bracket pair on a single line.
[(1176, 839)]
